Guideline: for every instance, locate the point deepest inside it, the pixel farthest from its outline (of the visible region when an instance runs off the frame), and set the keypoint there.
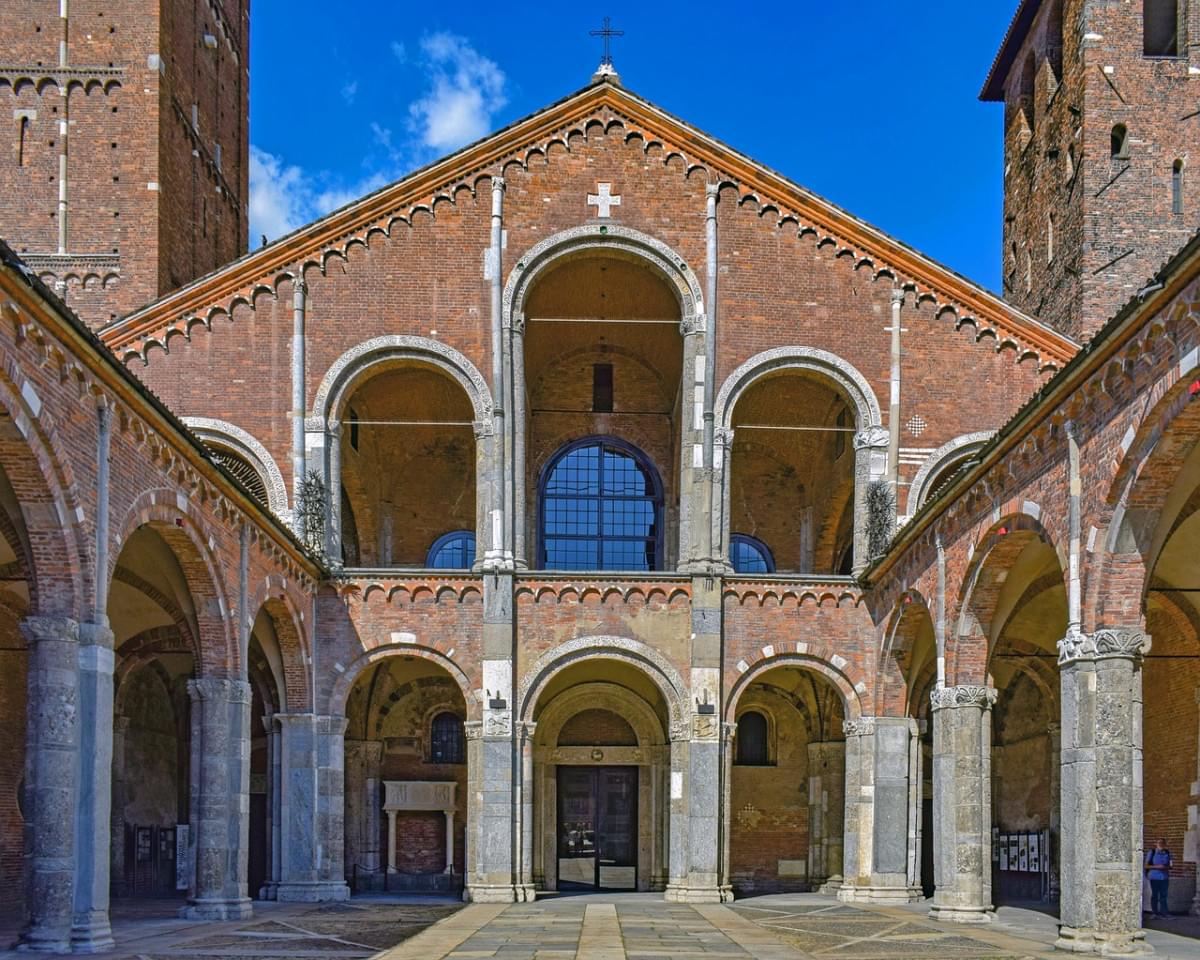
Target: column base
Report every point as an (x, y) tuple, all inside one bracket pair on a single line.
[(240, 908), (850, 893), (91, 933), (269, 890), (830, 886), (492, 893), (37, 941), (315, 891), (525, 892), (948, 913), (1106, 944), (682, 893)]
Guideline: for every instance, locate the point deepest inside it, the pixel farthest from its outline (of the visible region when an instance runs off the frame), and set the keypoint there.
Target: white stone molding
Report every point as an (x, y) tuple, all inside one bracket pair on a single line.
[(859, 727), (419, 795), (850, 693), (872, 438), (633, 652), (245, 445), (803, 359), (599, 695), (958, 449), (348, 369), (614, 239), (967, 695)]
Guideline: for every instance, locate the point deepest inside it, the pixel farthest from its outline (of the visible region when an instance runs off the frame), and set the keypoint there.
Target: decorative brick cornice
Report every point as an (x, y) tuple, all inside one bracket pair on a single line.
[(781, 202)]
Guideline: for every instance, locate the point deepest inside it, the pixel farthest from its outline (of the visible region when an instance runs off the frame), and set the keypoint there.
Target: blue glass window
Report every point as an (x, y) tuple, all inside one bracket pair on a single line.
[(753, 750), (750, 555), (452, 551), (601, 504)]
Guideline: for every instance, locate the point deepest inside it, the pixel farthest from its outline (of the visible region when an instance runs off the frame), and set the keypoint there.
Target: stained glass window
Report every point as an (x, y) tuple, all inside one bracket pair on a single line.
[(446, 739), (601, 509)]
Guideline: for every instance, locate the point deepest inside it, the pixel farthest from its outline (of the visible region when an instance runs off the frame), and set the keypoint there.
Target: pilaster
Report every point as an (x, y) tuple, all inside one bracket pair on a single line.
[(962, 803), (1101, 850), (870, 464), (826, 813)]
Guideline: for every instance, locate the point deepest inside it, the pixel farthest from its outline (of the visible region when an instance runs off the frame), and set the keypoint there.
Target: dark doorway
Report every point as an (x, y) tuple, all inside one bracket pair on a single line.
[(256, 861), (597, 828), (927, 885)]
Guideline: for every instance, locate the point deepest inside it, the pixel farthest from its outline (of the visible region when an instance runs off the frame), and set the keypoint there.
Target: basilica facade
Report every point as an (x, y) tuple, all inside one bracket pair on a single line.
[(597, 508)]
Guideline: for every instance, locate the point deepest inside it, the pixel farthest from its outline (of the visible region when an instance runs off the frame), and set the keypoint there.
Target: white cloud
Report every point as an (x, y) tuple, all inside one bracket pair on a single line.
[(350, 91), (283, 197), (466, 88)]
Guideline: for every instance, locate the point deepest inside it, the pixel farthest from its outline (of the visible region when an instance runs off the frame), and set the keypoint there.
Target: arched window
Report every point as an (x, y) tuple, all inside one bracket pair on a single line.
[(601, 508), (1119, 142), (452, 551), (1160, 28), (1177, 187), (446, 739), (749, 554), (752, 746)]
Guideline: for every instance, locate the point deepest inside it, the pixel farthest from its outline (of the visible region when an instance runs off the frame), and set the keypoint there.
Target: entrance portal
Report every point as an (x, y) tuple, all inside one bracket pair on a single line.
[(597, 828)]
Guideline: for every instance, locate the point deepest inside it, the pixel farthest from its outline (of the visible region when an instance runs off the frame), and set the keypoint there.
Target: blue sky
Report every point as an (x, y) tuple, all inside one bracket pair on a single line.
[(872, 105)]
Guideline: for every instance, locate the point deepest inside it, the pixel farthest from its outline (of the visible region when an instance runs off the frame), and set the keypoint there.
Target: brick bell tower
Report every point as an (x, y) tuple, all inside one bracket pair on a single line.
[(1101, 151), (126, 166)]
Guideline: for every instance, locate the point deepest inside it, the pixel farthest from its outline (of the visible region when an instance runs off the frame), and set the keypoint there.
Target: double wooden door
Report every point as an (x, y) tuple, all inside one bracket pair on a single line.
[(597, 828)]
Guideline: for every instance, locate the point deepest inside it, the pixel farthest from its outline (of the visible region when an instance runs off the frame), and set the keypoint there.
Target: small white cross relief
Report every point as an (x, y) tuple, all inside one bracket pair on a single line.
[(604, 200)]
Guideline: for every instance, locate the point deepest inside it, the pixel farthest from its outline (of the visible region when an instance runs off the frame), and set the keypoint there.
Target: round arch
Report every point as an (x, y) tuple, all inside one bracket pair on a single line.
[(958, 449), (354, 366), (609, 238), (246, 446), (851, 702), (804, 360), (633, 652), (602, 696), (182, 534), (345, 681)]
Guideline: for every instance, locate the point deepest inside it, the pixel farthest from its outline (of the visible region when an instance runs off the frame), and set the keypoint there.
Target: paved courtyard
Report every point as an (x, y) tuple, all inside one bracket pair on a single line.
[(594, 927)]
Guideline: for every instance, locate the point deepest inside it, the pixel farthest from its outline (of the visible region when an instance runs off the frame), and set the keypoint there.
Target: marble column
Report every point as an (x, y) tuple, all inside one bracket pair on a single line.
[(962, 803), (391, 841), (220, 805), (357, 840), (826, 813), (90, 931), (526, 889), (1054, 734), (312, 803), (1101, 853), (51, 747), (882, 843)]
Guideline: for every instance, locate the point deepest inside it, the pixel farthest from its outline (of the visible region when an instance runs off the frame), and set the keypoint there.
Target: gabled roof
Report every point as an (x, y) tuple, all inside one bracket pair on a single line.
[(609, 103), (1014, 39)]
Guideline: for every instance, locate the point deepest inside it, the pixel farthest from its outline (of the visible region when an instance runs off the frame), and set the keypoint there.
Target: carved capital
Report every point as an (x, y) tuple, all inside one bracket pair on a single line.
[(680, 730), (482, 428), (871, 438), (897, 295), (724, 437), (967, 695), (498, 183), (859, 727), (219, 689), (473, 729), (1106, 643), (498, 724), (692, 323), (48, 629)]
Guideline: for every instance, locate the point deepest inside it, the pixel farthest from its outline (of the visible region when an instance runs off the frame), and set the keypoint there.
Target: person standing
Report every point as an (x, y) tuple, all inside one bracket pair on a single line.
[(1158, 869)]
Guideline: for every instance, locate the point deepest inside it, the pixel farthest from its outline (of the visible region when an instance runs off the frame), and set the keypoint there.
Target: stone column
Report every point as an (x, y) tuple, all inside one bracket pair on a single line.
[(701, 880), (220, 806), (357, 798), (882, 844), (1054, 733), (116, 826), (333, 528), (270, 888), (90, 931), (492, 876), (677, 826), (962, 803), (391, 841), (51, 747), (312, 799), (826, 813), (372, 805), (449, 871), (519, 426), (691, 472), (1101, 853), (870, 464), (526, 890)]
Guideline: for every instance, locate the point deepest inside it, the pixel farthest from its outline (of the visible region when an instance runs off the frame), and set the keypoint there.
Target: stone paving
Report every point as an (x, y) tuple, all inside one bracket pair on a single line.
[(597, 927)]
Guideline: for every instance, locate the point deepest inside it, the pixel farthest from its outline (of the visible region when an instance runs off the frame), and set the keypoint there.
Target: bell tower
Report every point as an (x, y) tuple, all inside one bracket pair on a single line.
[(1101, 151), (127, 168)]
